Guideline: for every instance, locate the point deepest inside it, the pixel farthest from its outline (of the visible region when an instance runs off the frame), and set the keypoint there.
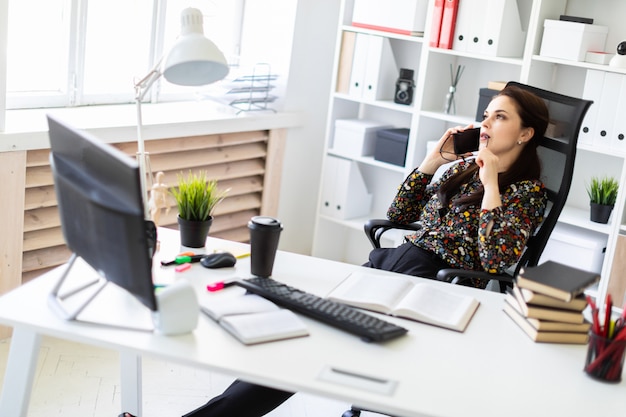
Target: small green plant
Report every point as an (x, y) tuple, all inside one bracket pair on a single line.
[(603, 190), (196, 196)]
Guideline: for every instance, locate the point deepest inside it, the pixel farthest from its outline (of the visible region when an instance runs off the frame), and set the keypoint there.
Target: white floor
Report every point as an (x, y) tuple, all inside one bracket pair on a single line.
[(75, 380)]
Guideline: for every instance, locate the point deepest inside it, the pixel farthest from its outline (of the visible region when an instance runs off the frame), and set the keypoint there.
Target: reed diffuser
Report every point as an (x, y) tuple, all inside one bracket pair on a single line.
[(450, 106)]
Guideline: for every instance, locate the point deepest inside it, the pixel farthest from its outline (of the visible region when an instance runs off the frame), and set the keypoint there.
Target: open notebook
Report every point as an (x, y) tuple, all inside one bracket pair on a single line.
[(253, 319)]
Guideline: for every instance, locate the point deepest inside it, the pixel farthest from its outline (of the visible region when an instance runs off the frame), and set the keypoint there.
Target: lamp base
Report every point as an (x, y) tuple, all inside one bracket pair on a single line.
[(178, 309)]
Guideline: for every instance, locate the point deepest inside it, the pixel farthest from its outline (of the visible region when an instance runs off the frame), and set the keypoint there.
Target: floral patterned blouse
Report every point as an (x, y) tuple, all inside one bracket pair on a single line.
[(459, 236)]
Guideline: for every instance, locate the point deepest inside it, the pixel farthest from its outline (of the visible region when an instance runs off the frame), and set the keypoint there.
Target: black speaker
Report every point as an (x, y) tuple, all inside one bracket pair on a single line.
[(404, 87)]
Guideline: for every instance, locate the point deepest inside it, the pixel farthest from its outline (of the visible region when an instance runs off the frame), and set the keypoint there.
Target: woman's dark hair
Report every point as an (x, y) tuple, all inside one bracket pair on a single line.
[(533, 113)]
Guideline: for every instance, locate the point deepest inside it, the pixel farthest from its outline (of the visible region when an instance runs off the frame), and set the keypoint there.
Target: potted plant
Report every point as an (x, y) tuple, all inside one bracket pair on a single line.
[(602, 195), (196, 197)]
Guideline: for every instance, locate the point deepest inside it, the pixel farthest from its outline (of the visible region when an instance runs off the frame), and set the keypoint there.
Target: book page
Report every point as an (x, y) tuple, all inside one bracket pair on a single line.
[(369, 291), (433, 305), (217, 307), (265, 326)]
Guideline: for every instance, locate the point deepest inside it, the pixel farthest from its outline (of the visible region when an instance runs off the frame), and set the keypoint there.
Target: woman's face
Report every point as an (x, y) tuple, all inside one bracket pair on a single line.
[(501, 128)]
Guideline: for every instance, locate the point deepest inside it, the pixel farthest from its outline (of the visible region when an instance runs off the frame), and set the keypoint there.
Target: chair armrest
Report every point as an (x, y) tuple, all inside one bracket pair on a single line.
[(374, 229), (457, 276)]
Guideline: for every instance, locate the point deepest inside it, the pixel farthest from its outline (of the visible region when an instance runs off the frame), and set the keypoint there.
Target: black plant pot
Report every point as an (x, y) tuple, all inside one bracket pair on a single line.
[(193, 233), (600, 213)]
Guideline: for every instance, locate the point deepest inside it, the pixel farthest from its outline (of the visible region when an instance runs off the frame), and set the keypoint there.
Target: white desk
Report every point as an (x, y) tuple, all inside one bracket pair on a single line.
[(492, 369)]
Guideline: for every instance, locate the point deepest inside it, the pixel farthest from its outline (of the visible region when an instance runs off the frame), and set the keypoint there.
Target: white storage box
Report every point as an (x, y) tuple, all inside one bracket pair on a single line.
[(571, 40), (595, 57), (407, 17), (356, 137), (577, 247)]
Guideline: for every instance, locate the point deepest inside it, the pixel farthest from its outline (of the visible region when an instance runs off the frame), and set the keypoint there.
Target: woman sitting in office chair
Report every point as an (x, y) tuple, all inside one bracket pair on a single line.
[(478, 216), (481, 212)]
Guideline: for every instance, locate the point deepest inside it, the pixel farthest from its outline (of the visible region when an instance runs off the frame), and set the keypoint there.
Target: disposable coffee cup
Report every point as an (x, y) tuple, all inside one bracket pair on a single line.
[(264, 236)]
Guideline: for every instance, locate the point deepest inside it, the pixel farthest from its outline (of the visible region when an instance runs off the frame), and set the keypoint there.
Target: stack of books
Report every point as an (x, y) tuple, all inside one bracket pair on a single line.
[(547, 303)]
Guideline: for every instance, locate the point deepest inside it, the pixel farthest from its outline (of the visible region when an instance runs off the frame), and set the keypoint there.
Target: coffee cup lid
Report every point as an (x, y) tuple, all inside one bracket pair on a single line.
[(265, 221)]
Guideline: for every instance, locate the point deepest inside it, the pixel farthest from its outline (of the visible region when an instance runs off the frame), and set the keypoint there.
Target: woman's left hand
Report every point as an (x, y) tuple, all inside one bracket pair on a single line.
[(488, 163)]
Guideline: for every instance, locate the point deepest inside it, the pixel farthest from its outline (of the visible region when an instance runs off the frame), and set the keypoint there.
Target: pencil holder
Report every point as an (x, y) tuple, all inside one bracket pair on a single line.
[(605, 358)]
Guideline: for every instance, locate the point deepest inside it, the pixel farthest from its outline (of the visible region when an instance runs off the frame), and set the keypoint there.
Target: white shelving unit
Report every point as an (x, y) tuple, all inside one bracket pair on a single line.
[(344, 240)]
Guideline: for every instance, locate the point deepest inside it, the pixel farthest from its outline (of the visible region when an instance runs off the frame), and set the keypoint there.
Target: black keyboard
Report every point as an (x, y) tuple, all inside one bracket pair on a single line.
[(368, 327)]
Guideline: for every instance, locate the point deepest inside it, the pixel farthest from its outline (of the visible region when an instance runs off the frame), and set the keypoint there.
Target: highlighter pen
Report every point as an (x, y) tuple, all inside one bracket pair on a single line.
[(220, 285), (183, 260), (182, 267), (159, 287)]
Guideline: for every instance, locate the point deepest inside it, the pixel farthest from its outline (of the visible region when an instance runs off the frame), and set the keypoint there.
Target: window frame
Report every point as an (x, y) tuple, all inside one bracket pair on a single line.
[(72, 93)]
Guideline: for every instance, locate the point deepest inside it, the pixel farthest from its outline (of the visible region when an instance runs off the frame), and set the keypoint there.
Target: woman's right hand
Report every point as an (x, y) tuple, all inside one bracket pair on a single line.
[(443, 152)]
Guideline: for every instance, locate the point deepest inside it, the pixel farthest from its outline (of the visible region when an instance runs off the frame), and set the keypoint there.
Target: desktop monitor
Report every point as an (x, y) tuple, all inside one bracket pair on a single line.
[(101, 209)]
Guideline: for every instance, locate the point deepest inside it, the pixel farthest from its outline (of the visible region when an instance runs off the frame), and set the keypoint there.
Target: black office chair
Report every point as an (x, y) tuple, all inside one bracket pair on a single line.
[(557, 151)]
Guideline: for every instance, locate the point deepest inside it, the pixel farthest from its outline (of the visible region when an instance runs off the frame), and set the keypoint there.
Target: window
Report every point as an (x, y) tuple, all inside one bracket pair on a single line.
[(87, 52), (37, 60)]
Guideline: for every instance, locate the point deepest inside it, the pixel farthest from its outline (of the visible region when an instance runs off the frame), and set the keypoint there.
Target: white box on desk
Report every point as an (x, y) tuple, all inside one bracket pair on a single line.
[(571, 245), (356, 137), (571, 40), (407, 17)]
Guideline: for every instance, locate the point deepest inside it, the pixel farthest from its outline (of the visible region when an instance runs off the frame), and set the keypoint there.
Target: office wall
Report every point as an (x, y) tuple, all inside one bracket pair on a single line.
[(310, 74), (4, 12), (297, 39), (267, 35)]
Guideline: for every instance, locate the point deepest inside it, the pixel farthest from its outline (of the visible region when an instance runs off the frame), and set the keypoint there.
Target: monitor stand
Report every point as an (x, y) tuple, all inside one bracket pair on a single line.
[(177, 313), (56, 300)]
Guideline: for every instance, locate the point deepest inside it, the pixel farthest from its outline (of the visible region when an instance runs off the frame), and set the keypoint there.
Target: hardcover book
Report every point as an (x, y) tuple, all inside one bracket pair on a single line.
[(544, 313), (401, 296), (558, 326), (531, 297), (556, 280), (544, 336), (548, 325)]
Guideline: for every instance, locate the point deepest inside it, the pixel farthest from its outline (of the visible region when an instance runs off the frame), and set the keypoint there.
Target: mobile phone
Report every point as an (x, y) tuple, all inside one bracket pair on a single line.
[(466, 141)]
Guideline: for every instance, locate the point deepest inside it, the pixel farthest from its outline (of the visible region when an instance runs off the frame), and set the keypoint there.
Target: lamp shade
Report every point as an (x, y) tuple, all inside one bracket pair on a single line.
[(194, 59)]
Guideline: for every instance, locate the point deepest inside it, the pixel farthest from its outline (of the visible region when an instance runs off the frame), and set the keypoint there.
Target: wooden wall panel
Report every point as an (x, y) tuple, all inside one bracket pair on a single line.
[(43, 238), (11, 218), (38, 197), (35, 260), (240, 162), (38, 176), (38, 157), (273, 171)]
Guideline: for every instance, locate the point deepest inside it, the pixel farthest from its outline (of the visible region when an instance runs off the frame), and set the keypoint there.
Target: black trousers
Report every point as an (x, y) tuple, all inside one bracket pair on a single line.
[(407, 259), (242, 399)]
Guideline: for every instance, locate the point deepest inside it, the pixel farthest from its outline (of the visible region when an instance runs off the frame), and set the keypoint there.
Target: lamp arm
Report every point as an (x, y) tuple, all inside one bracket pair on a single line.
[(141, 89), (143, 86)]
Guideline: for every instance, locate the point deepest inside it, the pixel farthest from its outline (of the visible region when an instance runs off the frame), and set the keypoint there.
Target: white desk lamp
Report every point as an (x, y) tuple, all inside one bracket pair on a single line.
[(193, 60)]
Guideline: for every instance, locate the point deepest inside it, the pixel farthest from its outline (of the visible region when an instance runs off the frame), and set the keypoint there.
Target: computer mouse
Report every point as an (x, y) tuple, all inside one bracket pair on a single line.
[(219, 260)]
